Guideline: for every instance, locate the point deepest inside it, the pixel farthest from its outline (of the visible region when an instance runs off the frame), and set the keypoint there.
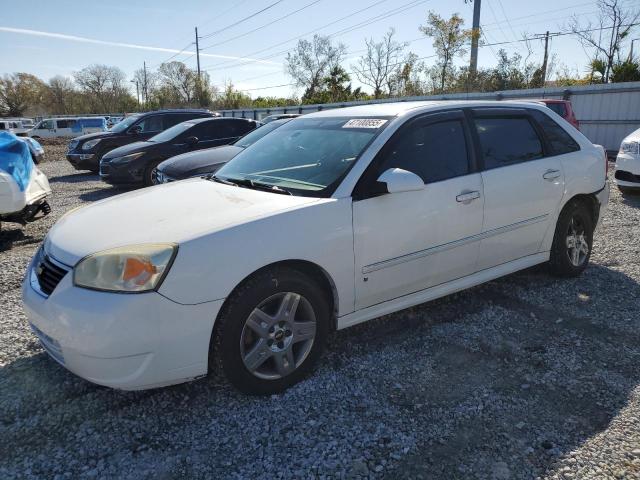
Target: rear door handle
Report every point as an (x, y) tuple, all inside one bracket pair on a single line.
[(467, 197), (551, 174)]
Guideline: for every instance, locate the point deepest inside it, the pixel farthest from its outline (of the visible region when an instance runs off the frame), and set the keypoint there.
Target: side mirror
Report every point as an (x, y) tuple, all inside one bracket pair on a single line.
[(399, 180), (191, 141), (137, 130)]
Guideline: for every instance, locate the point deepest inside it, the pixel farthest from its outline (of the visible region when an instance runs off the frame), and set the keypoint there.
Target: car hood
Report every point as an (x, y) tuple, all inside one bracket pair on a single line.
[(198, 162), (172, 213), (128, 149), (633, 136), (90, 136)]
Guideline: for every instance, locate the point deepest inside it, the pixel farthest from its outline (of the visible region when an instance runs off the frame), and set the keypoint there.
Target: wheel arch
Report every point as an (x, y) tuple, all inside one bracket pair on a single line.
[(311, 269), (589, 200)]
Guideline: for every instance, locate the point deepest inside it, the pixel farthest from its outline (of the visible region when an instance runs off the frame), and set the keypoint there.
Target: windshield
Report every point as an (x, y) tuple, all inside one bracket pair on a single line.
[(124, 124), (305, 156), (257, 134), (171, 133)]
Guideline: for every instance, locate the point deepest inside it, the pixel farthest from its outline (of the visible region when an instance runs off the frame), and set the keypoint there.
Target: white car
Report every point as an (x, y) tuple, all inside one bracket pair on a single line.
[(333, 219), (627, 173), (67, 127)]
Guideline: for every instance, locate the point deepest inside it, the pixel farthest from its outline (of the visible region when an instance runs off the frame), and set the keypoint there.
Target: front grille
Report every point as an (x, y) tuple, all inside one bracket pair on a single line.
[(51, 345), (627, 176), (49, 275)]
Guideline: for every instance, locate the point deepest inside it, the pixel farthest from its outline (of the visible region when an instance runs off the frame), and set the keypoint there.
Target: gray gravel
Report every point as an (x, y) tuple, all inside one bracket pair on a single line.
[(525, 377)]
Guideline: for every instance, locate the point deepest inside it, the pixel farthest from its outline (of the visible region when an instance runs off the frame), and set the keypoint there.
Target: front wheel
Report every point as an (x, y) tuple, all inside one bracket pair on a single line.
[(271, 331), (572, 242)]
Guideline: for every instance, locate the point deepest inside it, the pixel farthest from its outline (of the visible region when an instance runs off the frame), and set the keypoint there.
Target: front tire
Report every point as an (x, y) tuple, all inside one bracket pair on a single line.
[(572, 241), (271, 331)]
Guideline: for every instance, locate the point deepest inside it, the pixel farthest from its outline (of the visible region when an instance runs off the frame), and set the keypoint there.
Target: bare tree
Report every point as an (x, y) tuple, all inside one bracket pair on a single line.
[(449, 41), (61, 95), (311, 62), (376, 67), (104, 87), (405, 80), (606, 36), (179, 80)]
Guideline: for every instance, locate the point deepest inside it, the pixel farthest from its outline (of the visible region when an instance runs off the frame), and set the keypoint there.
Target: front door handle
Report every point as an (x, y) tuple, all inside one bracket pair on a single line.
[(467, 197), (551, 174)]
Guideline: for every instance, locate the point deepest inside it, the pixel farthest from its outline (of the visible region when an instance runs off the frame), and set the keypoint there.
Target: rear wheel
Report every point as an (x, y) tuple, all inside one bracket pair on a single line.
[(572, 241), (271, 331)]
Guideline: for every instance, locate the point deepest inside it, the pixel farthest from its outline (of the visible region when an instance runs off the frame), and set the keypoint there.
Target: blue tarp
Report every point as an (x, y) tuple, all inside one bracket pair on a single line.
[(15, 159)]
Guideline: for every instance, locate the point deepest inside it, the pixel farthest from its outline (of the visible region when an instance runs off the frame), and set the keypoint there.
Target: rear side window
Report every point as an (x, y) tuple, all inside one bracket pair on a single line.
[(65, 123), (559, 140), (435, 151), (205, 131), (507, 140)]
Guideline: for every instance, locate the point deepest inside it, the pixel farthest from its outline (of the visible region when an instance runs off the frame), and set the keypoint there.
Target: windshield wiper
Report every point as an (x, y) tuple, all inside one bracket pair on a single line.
[(248, 183), (214, 178)]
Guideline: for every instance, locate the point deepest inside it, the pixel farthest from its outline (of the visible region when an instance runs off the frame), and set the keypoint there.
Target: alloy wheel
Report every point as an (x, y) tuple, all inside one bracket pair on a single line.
[(577, 245), (278, 335)]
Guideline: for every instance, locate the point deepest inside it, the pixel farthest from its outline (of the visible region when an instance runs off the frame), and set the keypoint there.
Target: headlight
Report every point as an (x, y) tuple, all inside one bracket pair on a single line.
[(630, 147), (136, 268), (90, 144), (127, 158)]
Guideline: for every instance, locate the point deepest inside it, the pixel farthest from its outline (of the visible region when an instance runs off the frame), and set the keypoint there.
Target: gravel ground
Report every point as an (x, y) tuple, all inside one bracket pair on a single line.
[(525, 377)]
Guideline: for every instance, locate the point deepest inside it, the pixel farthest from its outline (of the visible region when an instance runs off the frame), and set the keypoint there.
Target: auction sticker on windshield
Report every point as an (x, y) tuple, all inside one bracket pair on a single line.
[(364, 123)]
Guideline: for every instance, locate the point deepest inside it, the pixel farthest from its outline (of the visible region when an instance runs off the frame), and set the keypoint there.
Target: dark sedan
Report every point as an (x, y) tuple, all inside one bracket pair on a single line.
[(203, 162), (135, 163)]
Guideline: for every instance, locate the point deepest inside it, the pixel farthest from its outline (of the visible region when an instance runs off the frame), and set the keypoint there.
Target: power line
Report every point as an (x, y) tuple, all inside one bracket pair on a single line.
[(300, 36), (262, 26), (504, 14), (209, 35)]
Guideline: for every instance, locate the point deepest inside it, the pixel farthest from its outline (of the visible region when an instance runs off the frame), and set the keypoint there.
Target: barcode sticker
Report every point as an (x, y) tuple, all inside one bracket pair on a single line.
[(364, 123)]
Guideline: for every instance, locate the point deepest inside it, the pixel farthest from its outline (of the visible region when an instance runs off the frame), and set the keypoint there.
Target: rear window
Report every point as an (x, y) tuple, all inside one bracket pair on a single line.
[(507, 141), (559, 108), (559, 140)]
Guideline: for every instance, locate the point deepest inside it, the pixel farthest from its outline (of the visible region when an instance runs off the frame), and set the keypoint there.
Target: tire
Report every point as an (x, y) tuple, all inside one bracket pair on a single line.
[(148, 179), (574, 227), (257, 363)]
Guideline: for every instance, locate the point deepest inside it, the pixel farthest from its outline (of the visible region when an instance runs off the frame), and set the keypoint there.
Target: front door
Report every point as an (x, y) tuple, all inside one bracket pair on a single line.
[(406, 242), (523, 185)]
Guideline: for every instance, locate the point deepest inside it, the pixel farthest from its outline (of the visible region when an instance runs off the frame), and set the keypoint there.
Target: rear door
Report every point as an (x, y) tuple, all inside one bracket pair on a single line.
[(63, 127), (406, 242), (523, 184)]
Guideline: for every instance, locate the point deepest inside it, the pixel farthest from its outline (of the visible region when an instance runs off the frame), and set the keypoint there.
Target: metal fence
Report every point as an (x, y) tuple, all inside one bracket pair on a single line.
[(607, 113)]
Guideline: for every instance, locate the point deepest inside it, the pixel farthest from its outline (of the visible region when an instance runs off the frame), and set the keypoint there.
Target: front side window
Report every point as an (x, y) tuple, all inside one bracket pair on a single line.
[(507, 140), (306, 156), (173, 132), (434, 152), (559, 140), (124, 124)]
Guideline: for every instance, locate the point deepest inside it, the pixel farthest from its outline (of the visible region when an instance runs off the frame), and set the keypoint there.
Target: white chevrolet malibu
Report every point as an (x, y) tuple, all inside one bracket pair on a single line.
[(333, 219), (627, 173)]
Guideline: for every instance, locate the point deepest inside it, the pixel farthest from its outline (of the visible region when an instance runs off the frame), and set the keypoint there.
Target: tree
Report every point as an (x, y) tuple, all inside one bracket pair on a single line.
[(104, 88), (605, 38), (231, 98), (449, 40), (376, 67), (178, 83), (311, 61), (405, 80), (626, 71), (20, 91), (61, 93)]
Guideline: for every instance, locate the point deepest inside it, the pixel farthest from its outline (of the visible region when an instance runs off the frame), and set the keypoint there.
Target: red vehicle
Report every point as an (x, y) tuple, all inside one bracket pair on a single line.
[(562, 108)]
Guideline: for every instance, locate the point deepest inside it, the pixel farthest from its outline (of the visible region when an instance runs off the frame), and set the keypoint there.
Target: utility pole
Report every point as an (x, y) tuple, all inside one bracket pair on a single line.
[(137, 90), (473, 66), (546, 57), (199, 85), (144, 88)]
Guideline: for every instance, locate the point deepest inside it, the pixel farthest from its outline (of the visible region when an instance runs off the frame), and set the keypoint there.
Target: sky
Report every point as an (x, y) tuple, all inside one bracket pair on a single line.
[(58, 38)]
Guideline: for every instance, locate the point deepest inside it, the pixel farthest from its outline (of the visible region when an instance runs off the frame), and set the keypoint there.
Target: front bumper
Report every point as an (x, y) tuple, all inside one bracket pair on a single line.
[(121, 174), (603, 199), (627, 171), (83, 161), (124, 341)]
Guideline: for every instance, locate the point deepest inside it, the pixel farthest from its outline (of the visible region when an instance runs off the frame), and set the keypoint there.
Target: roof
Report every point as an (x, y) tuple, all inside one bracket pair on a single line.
[(389, 109)]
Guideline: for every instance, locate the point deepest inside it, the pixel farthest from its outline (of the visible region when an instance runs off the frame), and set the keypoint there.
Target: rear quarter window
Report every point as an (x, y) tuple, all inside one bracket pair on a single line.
[(559, 140)]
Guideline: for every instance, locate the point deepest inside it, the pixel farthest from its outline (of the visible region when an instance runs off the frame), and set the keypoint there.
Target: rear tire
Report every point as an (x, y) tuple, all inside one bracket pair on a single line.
[(572, 241), (149, 175), (271, 331)]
